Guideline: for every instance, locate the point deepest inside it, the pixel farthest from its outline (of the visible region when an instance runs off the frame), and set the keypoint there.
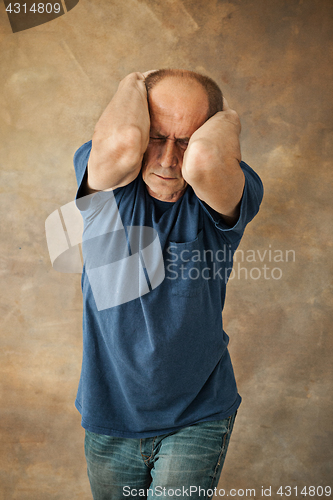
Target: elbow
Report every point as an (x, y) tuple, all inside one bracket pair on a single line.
[(199, 159), (205, 167), (123, 147)]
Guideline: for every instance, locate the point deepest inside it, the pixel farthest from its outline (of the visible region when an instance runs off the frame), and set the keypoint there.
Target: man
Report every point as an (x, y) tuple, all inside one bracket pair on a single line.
[(157, 392)]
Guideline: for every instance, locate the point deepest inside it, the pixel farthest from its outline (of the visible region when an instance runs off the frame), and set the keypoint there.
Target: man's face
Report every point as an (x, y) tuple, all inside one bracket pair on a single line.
[(177, 108)]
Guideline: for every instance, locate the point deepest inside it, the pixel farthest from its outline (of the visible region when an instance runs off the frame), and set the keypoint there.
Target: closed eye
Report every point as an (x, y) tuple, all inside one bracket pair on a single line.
[(183, 143), (157, 139)]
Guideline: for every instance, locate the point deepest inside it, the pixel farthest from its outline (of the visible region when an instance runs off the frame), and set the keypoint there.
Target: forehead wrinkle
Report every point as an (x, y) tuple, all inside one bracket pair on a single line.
[(176, 125), (160, 129), (177, 110), (159, 133), (169, 111)]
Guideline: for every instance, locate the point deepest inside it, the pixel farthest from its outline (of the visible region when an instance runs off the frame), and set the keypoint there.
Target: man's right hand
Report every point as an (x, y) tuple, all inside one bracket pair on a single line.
[(121, 137)]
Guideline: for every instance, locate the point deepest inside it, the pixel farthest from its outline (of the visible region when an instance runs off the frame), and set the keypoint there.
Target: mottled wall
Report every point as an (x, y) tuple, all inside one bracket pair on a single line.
[(273, 60)]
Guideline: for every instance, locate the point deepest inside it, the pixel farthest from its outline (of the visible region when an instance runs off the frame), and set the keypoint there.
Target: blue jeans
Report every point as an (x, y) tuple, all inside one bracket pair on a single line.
[(181, 464)]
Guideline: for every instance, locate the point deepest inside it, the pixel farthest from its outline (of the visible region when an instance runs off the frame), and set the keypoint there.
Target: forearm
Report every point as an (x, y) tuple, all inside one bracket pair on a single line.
[(121, 136), (211, 163)]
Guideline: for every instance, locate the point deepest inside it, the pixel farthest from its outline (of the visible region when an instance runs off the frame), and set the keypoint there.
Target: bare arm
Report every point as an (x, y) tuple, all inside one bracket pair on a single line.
[(211, 163), (121, 137)]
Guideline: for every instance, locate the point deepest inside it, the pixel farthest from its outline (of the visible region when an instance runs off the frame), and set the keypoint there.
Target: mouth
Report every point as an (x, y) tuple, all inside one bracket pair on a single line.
[(166, 178)]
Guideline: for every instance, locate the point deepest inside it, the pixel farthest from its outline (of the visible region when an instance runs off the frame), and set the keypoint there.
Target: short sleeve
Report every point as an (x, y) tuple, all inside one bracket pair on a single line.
[(80, 160), (89, 205), (251, 199), (100, 204)]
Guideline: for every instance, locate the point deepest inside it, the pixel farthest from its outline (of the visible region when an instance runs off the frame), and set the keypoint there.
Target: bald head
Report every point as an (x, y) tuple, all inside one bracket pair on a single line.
[(179, 98), (212, 90)]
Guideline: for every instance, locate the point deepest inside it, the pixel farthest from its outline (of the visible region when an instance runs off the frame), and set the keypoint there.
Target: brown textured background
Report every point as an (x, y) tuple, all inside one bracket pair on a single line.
[(273, 60)]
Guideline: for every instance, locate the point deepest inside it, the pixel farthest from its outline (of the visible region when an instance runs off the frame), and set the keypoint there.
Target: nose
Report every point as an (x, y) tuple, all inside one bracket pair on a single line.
[(168, 157)]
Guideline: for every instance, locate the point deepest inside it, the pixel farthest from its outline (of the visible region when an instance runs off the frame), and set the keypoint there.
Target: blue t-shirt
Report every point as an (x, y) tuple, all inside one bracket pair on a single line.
[(156, 361)]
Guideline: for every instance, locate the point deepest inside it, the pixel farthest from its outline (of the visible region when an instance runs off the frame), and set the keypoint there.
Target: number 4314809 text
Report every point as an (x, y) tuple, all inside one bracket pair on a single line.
[(36, 8)]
